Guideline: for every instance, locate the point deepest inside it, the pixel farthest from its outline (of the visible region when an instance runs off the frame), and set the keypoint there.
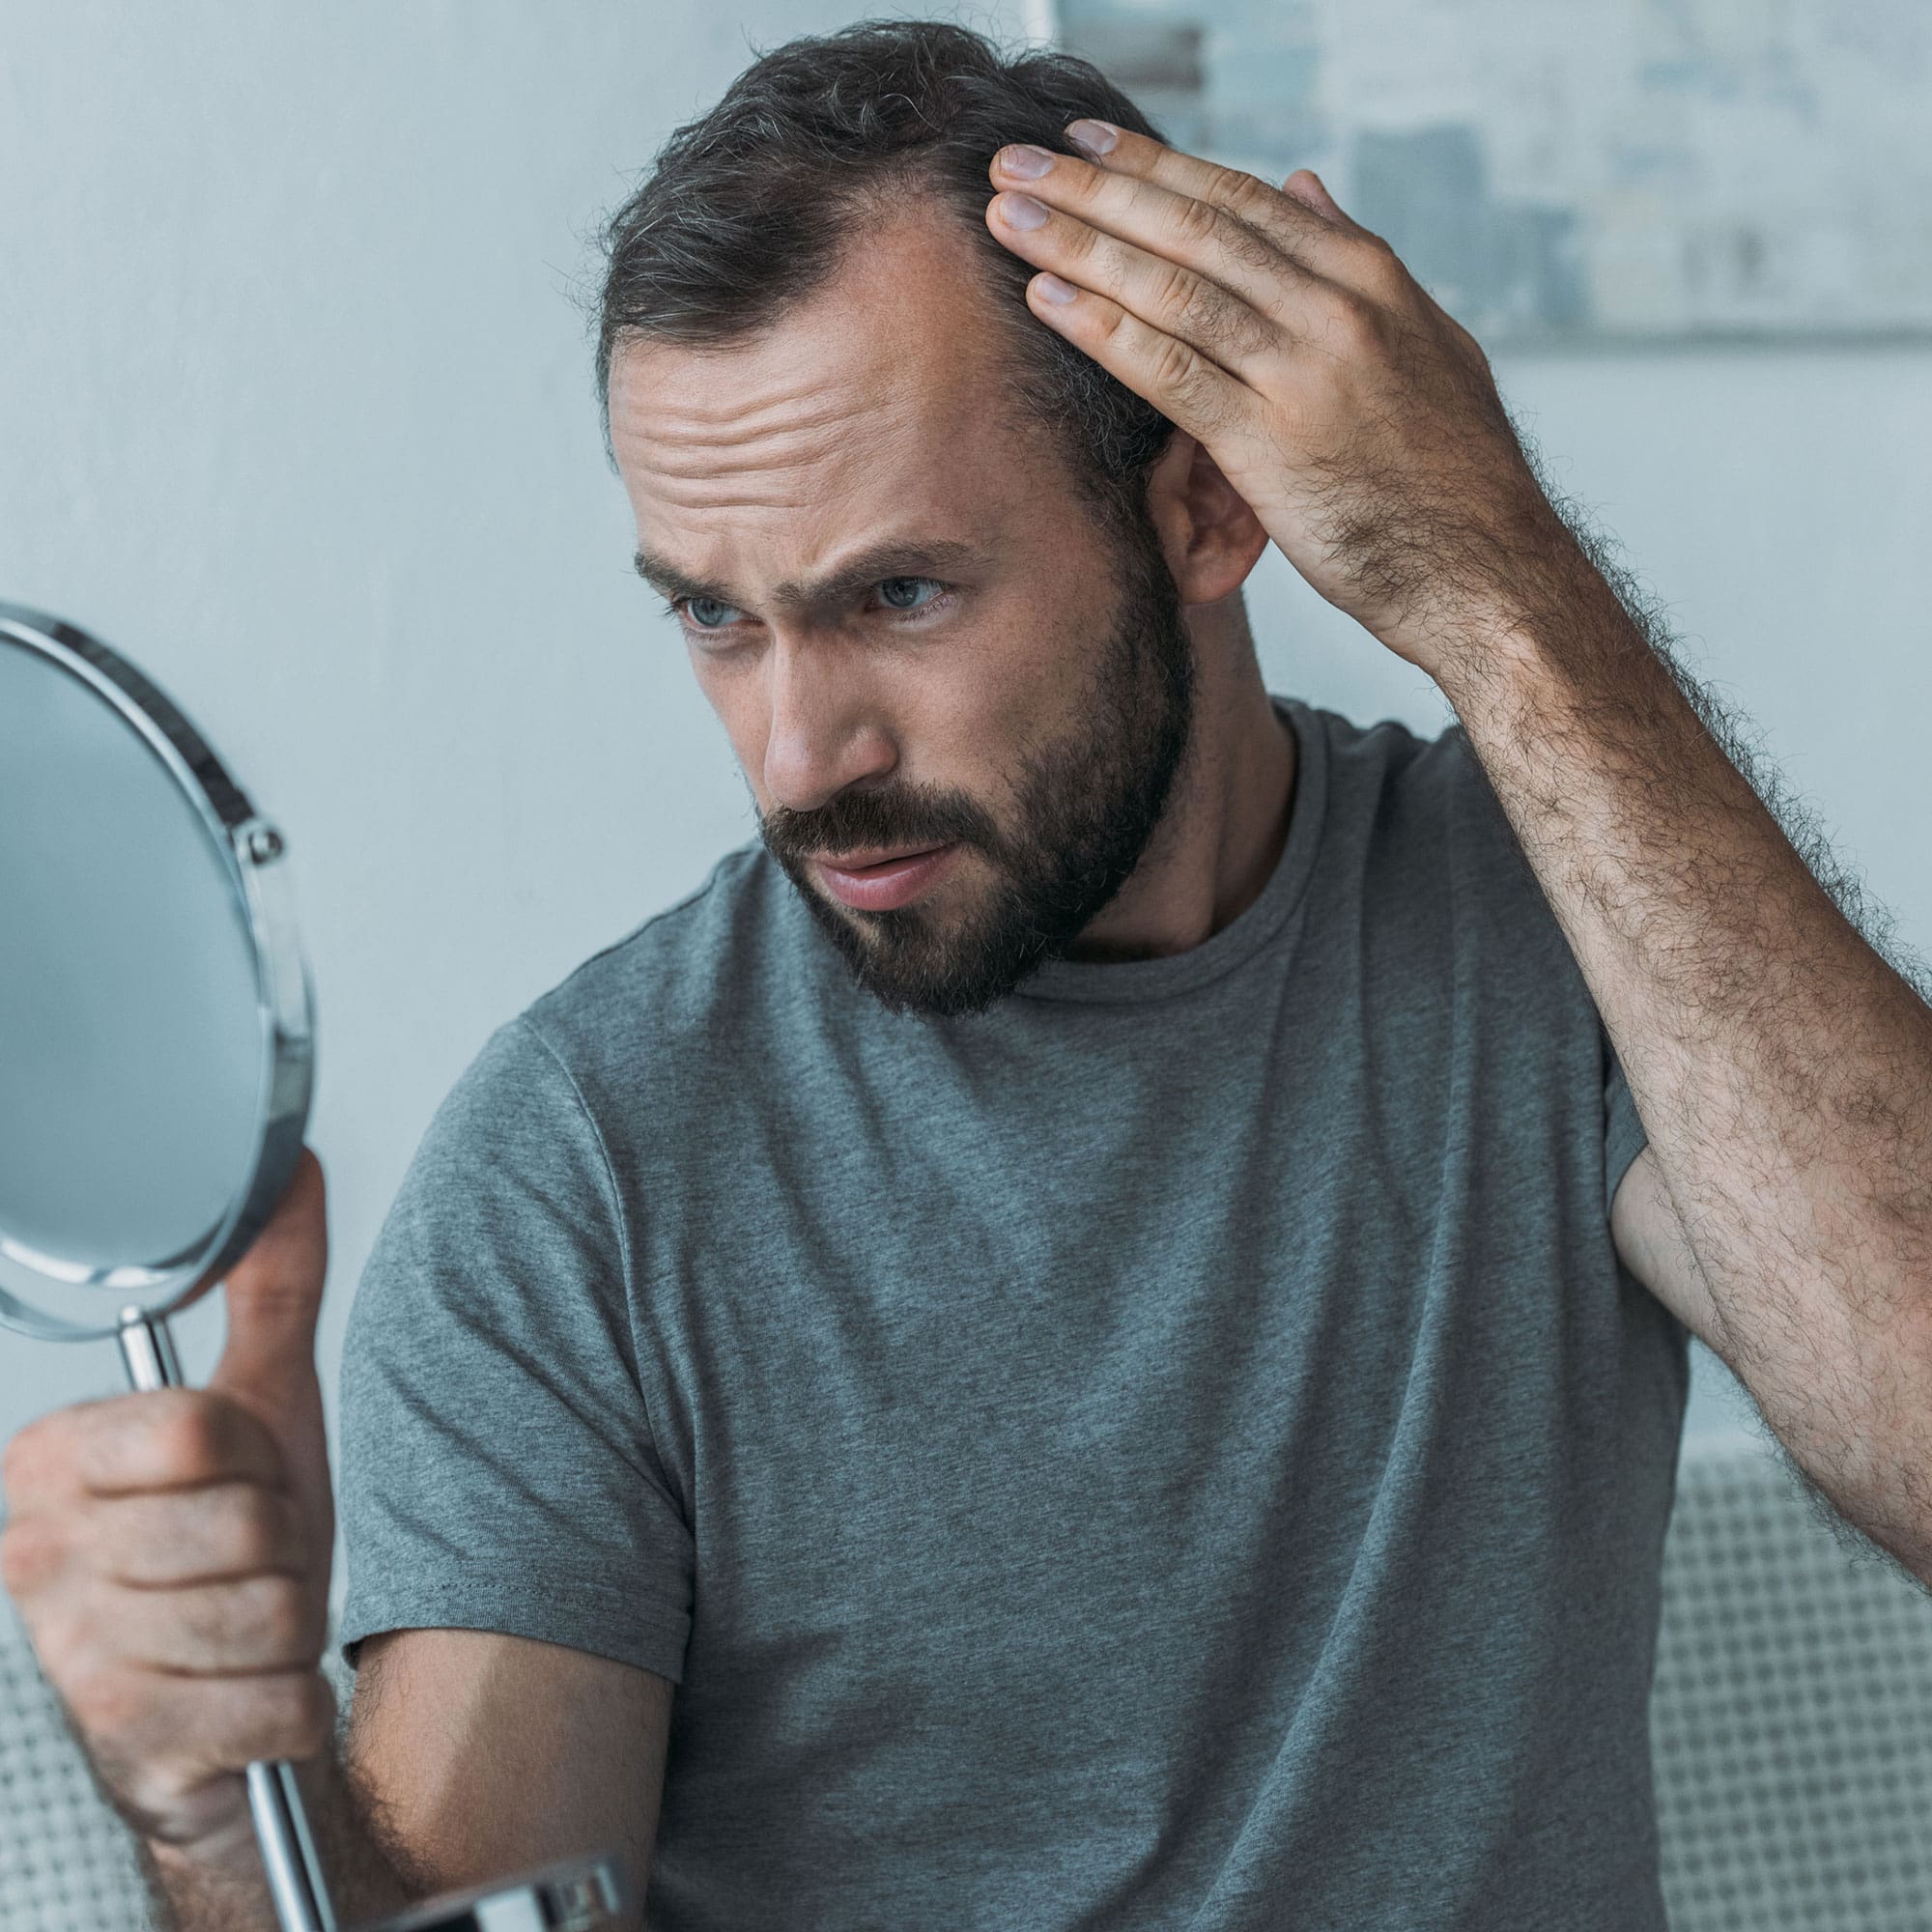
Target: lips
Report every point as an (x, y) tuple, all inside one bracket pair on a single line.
[(871, 882), (858, 861)]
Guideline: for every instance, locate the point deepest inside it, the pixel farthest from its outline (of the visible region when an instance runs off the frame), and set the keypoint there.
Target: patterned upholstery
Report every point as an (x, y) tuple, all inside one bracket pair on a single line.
[(1791, 1726), (65, 1859), (65, 1862), (1791, 1713)]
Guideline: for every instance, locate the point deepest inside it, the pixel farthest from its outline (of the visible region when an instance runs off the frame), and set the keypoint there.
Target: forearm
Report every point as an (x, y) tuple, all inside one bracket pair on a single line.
[(223, 1889), (1783, 1070)]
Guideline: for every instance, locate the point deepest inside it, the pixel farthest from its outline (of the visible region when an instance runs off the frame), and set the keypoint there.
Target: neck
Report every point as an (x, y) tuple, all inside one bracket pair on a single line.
[(1222, 833)]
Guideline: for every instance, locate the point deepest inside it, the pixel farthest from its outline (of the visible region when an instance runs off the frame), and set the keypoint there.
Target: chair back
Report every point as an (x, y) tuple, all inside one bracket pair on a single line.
[(1791, 1711), (67, 1863)]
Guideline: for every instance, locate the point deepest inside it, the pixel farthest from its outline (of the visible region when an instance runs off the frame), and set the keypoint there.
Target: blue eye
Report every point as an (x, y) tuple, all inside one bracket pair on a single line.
[(691, 604), (692, 611), (914, 581)]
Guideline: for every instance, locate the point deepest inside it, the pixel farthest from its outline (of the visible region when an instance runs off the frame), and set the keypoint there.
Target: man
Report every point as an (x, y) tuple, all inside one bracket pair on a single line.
[(1088, 1334)]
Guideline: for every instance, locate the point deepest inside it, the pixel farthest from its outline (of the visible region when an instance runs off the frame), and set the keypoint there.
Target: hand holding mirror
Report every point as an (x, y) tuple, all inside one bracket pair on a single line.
[(156, 1048)]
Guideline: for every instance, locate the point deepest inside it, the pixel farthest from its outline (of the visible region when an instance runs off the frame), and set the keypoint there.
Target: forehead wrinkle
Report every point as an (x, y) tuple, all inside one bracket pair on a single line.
[(750, 461), (782, 449), (802, 400), (726, 500), (831, 435), (740, 425), (845, 394)]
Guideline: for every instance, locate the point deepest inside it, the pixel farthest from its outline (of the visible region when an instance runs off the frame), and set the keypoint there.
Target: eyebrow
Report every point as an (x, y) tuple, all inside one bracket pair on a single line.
[(892, 556)]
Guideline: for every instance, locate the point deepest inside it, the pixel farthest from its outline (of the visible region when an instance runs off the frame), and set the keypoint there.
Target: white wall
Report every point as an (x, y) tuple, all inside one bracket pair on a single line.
[(298, 412)]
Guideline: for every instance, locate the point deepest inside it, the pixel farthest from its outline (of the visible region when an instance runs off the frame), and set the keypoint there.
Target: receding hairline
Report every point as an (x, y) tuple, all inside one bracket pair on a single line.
[(901, 192)]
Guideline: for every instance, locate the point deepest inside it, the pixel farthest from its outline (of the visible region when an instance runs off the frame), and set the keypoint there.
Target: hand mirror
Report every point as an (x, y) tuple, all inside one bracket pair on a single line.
[(156, 1046)]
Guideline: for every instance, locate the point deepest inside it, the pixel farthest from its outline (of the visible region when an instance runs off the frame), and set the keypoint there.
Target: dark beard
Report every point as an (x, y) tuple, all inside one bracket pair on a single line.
[(1086, 809)]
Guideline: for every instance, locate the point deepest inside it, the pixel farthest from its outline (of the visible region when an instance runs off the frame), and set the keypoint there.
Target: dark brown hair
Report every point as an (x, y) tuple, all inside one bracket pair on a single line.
[(745, 210)]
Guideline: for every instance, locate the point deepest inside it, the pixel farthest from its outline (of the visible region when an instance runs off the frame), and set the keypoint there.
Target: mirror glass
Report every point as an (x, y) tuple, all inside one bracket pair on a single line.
[(133, 1050)]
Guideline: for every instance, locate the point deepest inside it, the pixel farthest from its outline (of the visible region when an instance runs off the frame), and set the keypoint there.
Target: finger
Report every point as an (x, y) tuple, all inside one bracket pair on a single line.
[(268, 1361), (272, 1622), (1160, 225), (274, 1292), (149, 1725), (1306, 186), (203, 1536), (1181, 302), (134, 1444), (1302, 234), (1185, 385)]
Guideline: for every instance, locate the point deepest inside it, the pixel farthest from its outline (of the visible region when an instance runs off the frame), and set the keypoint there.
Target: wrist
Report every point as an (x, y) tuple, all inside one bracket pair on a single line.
[(229, 1848), (213, 1884), (1558, 631)]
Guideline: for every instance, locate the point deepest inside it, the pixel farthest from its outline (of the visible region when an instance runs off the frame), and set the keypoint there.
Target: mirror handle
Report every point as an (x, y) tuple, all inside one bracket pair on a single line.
[(288, 1859)]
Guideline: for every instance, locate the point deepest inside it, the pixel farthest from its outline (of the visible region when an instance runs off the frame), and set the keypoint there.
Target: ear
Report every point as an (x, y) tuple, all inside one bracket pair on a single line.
[(1208, 534)]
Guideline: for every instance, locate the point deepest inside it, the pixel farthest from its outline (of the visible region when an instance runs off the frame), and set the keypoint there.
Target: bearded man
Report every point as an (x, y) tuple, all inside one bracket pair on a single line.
[(1094, 1332)]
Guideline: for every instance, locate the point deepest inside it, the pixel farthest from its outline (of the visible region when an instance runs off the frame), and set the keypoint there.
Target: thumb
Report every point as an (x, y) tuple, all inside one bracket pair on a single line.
[(275, 1293), (267, 1363)]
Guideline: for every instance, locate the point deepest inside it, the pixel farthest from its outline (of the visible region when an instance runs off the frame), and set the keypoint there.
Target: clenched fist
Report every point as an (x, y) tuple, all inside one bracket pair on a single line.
[(169, 1552)]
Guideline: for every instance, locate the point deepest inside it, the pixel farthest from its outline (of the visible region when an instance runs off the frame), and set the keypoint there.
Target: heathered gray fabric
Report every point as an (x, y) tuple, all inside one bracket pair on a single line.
[(1176, 1451)]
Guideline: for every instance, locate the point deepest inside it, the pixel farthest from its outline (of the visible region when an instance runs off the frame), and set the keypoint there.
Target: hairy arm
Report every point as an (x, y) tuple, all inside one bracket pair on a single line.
[(200, 1893), (467, 1756), (490, 1755), (1781, 1065)]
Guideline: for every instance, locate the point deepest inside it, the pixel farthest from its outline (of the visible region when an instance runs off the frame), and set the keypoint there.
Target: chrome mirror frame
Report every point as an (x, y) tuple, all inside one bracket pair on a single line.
[(253, 852), (578, 1895)]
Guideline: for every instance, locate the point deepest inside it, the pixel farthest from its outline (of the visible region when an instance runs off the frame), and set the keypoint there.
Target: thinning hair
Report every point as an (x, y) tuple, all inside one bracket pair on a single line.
[(747, 211)]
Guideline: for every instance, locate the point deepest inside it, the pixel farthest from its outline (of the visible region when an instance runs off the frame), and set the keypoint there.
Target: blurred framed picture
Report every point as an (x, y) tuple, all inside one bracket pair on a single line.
[(1601, 172)]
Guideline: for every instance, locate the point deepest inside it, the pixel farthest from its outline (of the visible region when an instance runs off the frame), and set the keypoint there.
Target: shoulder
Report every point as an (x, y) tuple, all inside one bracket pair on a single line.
[(618, 1053), (675, 970), (1400, 798), (1415, 828), (689, 1000)]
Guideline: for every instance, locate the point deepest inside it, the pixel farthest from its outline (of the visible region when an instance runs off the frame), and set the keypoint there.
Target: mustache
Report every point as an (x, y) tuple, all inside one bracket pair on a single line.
[(904, 816)]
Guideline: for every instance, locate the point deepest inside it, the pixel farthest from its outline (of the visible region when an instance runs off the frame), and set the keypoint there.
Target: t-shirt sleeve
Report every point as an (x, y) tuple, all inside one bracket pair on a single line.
[(497, 1462), (1623, 1135)]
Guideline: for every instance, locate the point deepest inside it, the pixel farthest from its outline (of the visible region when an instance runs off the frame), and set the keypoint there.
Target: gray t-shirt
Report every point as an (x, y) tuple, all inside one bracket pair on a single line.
[(1177, 1450)]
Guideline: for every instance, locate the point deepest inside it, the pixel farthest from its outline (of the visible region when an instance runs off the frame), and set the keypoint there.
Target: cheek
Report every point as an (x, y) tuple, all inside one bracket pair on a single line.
[(965, 720), (738, 703), (997, 697), (1025, 692), (961, 711)]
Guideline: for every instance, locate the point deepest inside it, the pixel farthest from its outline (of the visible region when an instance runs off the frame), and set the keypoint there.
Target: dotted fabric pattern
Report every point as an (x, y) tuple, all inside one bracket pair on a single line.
[(67, 1862), (1791, 1733), (1791, 1711)]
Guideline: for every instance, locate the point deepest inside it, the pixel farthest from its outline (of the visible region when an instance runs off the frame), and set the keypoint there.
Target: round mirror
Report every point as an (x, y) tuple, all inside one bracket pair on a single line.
[(155, 1035), (155, 1055)]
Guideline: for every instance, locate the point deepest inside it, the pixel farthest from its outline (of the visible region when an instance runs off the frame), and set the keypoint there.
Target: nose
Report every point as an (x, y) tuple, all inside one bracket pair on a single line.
[(822, 732)]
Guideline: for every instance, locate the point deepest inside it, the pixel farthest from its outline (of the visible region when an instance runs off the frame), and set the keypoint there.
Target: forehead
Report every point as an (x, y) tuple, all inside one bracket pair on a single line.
[(880, 403)]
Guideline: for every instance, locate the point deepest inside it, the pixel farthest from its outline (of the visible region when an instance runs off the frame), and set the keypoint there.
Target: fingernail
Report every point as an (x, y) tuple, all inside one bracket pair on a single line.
[(1022, 211), (1026, 162), (1093, 137), (1053, 289)]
